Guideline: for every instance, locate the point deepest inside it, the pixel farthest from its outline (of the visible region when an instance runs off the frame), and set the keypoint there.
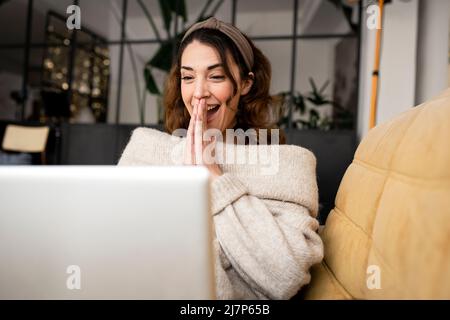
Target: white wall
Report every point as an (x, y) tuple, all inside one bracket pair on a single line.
[(432, 49), (397, 66)]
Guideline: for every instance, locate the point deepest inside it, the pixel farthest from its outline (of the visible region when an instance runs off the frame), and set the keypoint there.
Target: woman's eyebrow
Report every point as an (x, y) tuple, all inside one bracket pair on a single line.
[(208, 68), (214, 66)]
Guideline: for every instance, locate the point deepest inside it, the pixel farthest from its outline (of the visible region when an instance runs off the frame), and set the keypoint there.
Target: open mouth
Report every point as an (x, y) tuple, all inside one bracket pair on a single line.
[(212, 110)]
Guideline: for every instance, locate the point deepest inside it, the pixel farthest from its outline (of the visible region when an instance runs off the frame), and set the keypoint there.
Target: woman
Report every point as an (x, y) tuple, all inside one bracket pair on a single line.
[(265, 227)]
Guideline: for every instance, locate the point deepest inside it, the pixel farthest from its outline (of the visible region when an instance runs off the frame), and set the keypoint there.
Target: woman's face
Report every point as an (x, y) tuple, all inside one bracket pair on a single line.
[(203, 77)]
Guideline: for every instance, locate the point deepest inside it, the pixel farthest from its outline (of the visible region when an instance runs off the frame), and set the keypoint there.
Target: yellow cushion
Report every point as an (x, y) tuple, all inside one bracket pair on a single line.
[(392, 213)]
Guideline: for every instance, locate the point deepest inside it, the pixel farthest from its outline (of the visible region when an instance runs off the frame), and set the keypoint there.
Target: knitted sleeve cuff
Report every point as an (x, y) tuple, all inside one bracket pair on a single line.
[(225, 190)]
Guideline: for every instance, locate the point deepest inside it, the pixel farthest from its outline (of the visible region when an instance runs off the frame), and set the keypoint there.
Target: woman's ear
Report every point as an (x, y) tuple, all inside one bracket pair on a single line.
[(247, 84)]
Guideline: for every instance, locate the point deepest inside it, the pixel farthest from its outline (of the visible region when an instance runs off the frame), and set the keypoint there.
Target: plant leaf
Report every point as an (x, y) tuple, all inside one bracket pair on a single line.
[(318, 101), (163, 57), (313, 113), (313, 118), (348, 11), (313, 86), (316, 96), (168, 7), (179, 7), (166, 13), (299, 103), (324, 86), (150, 82)]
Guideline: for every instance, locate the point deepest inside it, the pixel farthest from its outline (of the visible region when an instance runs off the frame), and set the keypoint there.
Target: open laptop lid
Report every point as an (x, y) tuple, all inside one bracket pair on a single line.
[(105, 232)]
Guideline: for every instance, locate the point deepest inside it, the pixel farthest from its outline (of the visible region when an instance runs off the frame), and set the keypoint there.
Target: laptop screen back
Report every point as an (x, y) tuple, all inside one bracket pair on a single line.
[(105, 232)]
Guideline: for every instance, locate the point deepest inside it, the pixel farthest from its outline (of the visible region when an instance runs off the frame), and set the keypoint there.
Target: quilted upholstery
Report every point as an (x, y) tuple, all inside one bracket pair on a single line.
[(392, 211)]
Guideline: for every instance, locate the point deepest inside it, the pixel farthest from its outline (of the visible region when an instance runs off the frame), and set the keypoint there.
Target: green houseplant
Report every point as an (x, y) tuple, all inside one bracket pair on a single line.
[(308, 105)]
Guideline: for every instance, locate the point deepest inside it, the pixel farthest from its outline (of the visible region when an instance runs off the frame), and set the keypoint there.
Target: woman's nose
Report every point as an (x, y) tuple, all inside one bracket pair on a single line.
[(201, 89)]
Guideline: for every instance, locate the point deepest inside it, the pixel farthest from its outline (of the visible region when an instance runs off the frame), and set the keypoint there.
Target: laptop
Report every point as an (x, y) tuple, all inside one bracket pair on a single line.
[(105, 232)]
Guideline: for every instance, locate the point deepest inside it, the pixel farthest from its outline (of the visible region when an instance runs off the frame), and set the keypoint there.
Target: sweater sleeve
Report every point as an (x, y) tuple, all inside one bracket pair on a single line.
[(270, 244)]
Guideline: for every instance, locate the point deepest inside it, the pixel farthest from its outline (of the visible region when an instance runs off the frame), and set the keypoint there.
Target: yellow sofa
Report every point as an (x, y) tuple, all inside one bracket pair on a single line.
[(388, 236)]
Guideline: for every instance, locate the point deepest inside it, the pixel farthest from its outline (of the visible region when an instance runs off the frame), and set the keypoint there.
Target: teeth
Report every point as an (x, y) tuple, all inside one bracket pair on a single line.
[(212, 106)]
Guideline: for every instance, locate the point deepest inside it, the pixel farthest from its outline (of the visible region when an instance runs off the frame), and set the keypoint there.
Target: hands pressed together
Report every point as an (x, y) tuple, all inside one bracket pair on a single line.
[(195, 144)]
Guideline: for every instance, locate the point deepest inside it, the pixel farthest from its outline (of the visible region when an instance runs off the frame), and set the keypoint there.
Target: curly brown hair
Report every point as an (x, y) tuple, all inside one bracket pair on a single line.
[(256, 109)]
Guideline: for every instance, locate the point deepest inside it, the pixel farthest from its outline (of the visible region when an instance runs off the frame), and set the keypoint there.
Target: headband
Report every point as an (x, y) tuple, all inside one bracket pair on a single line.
[(232, 32)]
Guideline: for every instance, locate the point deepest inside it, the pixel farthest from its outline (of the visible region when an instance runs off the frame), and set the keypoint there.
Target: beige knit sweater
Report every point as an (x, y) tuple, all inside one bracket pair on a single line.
[(265, 221)]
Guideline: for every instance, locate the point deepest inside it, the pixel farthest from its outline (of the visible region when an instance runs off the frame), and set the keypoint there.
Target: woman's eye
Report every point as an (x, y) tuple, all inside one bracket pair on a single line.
[(218, 77), (186, 78)]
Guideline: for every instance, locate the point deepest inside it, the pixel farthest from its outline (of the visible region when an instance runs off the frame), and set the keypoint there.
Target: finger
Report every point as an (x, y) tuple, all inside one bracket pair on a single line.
[(198, 135), (201, 107), (195, 115), (204, 115), (189, 152)]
